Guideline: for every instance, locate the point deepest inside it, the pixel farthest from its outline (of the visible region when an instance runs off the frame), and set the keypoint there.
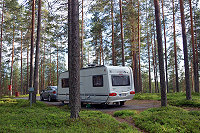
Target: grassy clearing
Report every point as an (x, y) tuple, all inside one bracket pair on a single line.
[(165, 119), (18, 116), (175, 99)]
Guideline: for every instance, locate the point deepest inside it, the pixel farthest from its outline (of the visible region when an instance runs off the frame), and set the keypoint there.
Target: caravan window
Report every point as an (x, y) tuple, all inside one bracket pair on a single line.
[(121, 80), (65, 83), (98, 81)]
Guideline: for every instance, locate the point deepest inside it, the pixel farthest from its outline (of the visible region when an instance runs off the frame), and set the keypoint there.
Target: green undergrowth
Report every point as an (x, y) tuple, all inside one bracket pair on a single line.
[(175, 99), (169, 120), (124, 113), (27, 95), (17, 116)]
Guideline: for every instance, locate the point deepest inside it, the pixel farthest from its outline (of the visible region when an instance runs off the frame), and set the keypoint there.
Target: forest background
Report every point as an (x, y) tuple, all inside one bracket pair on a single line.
[(101, 41)]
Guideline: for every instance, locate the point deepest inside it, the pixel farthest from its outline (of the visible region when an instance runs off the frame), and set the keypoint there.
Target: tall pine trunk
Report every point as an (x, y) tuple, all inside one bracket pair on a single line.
[(160, 54), (82, 37), (155, 61), (153, 56), (113, 45), (57, 64), (122, 32), (37, 54), (74, 55), (133, 53), (166, 73), (50, 69), (192, 76), (196, 46), (44, 68), (11, 73), (150, 91), (21, 66), (139, 47), (196, 78), (175, 51), (32, 45), (187, 74), (27, 68), (1, 47)]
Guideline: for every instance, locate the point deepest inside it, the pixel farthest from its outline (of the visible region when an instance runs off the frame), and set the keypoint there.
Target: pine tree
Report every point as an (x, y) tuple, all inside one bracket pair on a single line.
[(160, 54)]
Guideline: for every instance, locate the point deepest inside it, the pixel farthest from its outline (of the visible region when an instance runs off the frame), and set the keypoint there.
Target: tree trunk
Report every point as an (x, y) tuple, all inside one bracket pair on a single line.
[(101, 51), (21, 66), (153, 57), (122, 33), (187, 74), (160, 54), (27, 69), (44, 67), (150, 91), (155, 61), (41, 75), (82, 37), (197, 53), (1, 46), (57, 64), (100, 48), (173, 80), (133, 53), (74, 71), (32, 45), (11, 74), (165, 47), (196, 78), (37, 54), (113, 45), (192, 77), (50, 68), (139, 47), (175, 51)]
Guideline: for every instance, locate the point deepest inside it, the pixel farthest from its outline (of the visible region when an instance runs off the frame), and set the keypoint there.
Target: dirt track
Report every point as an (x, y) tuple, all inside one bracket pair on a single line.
[(139, 105)]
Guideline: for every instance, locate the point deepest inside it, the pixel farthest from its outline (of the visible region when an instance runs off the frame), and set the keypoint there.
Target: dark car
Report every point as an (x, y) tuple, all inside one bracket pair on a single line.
[(50, 94)]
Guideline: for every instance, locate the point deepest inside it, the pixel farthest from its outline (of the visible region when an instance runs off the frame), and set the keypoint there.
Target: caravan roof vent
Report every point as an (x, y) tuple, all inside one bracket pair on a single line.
[(91, 65)]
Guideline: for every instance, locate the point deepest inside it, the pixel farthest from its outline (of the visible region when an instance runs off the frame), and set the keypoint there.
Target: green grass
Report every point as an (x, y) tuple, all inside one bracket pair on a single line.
[(125, 113), (175, 99), (27, 95), (169, 120), (17, 116)]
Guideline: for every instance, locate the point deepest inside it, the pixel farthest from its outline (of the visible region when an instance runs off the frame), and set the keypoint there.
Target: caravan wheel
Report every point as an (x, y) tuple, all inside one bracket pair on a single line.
[(104, 105), (122, 103)]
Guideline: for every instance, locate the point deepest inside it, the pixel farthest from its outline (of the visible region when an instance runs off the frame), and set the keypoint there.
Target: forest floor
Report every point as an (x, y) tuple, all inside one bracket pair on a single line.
[(138, 105)]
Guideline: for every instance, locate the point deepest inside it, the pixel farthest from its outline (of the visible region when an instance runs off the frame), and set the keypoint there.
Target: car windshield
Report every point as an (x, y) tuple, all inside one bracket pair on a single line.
[(120, 80)]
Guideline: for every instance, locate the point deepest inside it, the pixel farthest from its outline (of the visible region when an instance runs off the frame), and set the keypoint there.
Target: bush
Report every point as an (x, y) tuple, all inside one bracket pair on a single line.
[(175, 99), (168, 119), (18, 116)]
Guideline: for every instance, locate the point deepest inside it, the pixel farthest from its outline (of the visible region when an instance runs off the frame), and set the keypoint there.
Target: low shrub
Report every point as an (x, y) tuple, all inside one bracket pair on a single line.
[(175, 99), (168, 119), (18, 117)]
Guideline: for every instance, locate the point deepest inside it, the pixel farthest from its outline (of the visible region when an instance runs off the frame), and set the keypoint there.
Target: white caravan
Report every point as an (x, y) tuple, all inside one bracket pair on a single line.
[(100, 84)]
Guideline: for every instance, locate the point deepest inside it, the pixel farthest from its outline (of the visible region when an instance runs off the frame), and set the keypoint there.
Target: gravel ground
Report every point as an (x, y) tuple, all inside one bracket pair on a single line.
[(139, 105)]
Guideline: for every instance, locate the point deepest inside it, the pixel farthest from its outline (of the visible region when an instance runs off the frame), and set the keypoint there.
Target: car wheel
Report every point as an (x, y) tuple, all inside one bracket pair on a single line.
[(41, 98), (49, 98)]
